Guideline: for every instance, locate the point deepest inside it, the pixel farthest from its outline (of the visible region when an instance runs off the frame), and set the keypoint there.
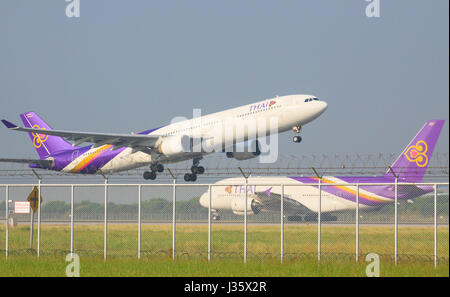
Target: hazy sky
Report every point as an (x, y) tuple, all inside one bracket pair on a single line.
[(133, 65)]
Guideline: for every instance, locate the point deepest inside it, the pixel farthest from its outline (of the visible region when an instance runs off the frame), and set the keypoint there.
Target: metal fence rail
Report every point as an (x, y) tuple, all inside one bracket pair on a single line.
[(193, 231)]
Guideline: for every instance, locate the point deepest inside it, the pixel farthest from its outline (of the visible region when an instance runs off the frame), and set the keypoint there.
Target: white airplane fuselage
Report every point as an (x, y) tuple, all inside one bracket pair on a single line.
[(289, 111)]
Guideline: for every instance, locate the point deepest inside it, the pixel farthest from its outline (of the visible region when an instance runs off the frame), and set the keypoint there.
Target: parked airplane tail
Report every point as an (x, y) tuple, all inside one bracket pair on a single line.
[(412, 163), (45, 145)]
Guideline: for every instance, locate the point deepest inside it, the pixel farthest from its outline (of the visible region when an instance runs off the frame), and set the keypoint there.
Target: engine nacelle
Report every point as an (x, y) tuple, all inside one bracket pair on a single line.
[(238, 206), (240, 156), (247, 152), (174, 145)]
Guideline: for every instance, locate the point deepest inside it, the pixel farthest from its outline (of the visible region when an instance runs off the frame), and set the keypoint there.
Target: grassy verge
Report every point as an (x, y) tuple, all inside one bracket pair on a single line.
[(300, 246), (46, 266)]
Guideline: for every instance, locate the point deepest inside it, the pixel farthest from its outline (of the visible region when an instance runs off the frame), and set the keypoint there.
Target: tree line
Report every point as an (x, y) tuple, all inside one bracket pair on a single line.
[(155, 205), (423, 206)]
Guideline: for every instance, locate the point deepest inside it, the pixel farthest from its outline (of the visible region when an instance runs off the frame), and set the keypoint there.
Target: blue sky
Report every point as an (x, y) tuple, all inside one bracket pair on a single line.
[(133, 65)]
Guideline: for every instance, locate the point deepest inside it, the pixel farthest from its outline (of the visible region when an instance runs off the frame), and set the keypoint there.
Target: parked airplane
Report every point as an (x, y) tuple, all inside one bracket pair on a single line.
[(301, 198), (167, 144)]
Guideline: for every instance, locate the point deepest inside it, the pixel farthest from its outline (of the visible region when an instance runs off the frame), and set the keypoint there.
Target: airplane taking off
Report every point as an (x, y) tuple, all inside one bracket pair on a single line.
[(301, 193), (109, 153)]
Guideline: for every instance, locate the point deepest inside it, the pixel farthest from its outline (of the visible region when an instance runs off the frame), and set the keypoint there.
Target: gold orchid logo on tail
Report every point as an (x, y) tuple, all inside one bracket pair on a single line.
[(417, 153), (38, 139)]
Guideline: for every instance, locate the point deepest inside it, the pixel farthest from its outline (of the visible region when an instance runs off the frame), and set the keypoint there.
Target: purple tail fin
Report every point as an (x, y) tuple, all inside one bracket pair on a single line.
[(45, 145), (412, 164)]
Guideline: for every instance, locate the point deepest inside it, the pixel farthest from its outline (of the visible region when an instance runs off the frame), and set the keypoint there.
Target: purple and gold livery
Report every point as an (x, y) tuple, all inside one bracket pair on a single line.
[(339, 193), (62, 155), (111, 152)]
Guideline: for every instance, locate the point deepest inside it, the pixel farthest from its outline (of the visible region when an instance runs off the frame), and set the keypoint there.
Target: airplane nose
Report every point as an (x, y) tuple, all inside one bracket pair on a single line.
[(322, 106), (204, 199)]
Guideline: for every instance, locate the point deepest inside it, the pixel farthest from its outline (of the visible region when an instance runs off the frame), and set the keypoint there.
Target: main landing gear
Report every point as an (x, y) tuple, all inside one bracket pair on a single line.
[(195, 169), (297, 138), (154, 169)]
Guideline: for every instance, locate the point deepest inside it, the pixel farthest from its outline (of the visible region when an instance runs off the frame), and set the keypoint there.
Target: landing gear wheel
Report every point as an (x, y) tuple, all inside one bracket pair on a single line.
[(200, 169), (197, 169), (297, 139), (195, 162), (149, 175), (187, 177), (190, 177), (160, 167)]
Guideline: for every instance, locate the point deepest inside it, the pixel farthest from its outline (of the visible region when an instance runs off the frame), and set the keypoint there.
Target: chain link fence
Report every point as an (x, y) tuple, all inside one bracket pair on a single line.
[(246, 222)]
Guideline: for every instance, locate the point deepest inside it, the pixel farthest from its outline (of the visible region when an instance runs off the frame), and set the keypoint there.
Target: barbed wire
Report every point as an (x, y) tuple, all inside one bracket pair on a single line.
[(220, 166)]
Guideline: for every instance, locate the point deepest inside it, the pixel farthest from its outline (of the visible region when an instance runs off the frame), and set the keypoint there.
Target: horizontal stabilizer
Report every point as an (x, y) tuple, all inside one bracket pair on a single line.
[(9, 125), (40, 163)]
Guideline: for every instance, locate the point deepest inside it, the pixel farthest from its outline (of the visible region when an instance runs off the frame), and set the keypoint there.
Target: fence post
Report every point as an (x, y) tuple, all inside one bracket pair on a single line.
[(7, 220), (139, 220), (31, 229), (319, 223), (395, 215), (174, 201), (319, 218), (357, 223), (105, 236), (39, 220), (282, 222), (396, 220), (209, 223), (435, 228), (245, 221), (71, 219), (245, 213), (174, 224)]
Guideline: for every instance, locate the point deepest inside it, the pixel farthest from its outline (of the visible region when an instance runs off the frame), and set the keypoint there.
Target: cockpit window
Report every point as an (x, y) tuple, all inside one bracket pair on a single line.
[(311, 99)]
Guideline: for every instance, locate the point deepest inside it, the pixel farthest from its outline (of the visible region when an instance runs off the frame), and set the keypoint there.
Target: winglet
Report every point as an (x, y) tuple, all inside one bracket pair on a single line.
[(268, 191), (9, 125)]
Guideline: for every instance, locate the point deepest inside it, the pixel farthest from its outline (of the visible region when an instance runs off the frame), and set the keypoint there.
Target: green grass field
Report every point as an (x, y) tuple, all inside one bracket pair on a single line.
[(300, 247)]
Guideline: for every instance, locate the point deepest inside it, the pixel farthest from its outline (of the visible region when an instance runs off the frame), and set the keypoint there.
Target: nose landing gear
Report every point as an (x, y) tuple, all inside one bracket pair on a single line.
[(215, 215), (297, 138)]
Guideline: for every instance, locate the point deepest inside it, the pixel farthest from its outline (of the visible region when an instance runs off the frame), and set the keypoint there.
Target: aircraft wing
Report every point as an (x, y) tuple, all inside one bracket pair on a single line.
[(98, 139), (41, 163), (272, 202)]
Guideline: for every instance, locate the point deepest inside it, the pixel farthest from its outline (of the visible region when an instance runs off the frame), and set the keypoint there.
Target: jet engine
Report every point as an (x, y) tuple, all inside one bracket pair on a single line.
[(248, 152), (238, 206), (174, 145)]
